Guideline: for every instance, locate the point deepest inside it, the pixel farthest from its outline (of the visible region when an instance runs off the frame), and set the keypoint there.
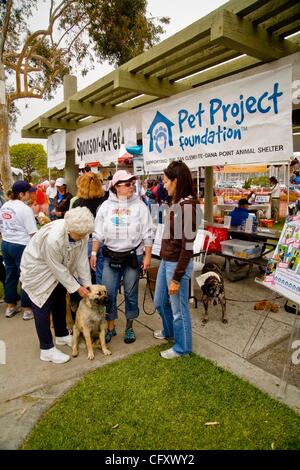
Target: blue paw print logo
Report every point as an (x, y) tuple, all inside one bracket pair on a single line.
[(160, 133)]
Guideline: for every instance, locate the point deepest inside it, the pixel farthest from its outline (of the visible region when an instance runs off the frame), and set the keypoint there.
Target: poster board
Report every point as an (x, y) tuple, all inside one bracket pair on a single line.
[(283, 270), (56, 150)]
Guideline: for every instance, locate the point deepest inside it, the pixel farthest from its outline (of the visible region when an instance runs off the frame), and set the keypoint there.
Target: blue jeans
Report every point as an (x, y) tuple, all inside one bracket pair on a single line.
[(51, 208), (174, 309), (96, 276), (12, 254), (111, 278)]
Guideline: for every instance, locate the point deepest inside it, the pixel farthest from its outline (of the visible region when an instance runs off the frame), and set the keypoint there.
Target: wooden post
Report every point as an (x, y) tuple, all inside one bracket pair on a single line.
[(71, 170), (209, 194)]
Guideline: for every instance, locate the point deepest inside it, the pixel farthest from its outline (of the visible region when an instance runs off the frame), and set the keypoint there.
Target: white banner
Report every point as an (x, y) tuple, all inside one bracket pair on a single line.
[(56, 150), (98, 143), (247, 120)]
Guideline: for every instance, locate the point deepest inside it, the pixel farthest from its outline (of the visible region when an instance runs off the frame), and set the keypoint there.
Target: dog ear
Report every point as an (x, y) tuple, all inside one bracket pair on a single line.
[(88, 288), (87, 301)]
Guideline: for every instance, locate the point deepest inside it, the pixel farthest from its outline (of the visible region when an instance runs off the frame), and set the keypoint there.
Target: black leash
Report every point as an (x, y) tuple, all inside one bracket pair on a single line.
[(141, 276)]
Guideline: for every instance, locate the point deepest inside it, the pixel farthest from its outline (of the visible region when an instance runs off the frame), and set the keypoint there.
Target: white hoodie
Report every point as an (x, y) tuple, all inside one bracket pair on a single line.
[(124, 224)]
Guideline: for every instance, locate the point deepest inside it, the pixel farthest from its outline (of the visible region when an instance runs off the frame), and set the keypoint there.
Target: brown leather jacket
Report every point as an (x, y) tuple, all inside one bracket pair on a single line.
[(182, 222)]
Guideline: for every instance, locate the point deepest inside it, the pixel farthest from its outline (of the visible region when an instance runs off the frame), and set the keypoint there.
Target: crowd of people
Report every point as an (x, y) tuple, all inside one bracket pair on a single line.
[(102, 237)]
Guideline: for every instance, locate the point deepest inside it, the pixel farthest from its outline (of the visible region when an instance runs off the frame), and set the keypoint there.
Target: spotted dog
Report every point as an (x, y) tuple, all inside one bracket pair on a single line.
[(90, 320), (212, 286)]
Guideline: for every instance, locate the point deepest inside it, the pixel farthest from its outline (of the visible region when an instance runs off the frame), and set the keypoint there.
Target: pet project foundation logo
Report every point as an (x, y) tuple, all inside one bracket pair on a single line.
[(2, 352), (160, 133)]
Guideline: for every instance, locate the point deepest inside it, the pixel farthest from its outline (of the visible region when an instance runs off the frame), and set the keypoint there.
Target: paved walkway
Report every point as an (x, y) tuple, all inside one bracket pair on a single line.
[(29, 386)]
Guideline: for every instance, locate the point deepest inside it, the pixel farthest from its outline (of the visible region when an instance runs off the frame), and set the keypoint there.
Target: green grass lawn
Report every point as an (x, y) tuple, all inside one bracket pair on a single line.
[(145, 402)]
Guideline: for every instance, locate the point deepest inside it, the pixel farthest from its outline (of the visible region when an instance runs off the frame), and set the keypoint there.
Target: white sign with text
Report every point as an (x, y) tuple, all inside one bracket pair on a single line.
[(245, 121), (98, 143)]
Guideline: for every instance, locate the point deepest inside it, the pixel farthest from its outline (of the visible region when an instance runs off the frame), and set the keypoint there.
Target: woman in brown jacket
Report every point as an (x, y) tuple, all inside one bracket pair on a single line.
[(172, 285)]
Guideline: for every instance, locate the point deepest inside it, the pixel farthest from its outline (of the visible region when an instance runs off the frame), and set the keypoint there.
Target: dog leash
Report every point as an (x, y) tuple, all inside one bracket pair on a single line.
[(253, 300), (141, 276)]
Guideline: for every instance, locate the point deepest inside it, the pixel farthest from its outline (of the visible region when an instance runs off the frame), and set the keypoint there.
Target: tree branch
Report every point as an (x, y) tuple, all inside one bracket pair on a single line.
[(6, 20)]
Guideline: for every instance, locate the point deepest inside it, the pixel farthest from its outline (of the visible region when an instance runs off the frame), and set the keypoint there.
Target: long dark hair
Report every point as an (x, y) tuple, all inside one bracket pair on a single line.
[(185, 185), (273, 180)]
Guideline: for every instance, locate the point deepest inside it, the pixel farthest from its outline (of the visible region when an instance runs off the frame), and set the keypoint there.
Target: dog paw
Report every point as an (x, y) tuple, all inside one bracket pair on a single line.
[(204, 321), (91, 356), (106, 352), (224, 320), (74, 353)]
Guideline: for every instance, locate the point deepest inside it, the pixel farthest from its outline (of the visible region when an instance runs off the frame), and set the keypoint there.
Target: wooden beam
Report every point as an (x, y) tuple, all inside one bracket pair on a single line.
[(175, 57), (282, 19), (31, 134), (271, 9), (223, 70), (45, 123), (147, 86), (190, 66), (92, 109), (239, 34)]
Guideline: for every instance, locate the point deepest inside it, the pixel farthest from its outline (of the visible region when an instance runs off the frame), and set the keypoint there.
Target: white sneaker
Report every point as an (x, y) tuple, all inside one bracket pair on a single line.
[(158, 334), (27, 315), (62, 340), (11, 311), (54, 355), (170, 354)]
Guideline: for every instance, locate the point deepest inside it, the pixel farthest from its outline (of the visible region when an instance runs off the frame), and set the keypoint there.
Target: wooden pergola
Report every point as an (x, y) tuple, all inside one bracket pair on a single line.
[(237, 36)]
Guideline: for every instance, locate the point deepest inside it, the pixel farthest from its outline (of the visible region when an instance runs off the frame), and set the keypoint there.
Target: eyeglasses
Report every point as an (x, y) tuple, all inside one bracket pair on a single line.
[(127, 185)]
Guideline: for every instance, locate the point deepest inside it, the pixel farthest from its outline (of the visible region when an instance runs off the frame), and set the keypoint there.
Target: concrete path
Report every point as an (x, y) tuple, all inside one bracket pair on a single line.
[(29, 386)]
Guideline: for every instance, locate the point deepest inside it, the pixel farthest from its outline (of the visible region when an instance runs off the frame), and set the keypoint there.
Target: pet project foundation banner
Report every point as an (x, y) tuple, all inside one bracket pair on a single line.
[(283, 269), (244, 121)]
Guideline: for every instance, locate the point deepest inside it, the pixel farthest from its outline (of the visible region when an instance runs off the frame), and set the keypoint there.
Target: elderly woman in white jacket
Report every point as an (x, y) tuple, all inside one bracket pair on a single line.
[(55, 261)]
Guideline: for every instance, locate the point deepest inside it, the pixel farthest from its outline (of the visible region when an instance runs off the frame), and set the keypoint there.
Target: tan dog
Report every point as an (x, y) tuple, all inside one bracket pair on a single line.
[(90, 320)]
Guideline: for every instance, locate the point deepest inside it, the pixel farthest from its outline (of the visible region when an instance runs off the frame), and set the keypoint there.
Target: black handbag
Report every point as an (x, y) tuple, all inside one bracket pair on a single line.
[(120, 259)]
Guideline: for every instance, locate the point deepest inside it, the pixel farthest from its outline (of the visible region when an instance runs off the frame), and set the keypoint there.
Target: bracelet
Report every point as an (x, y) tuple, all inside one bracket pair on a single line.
[(94, 253)]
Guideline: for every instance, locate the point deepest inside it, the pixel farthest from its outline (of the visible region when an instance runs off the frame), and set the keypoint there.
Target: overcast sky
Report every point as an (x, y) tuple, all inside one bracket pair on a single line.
[(181, 12)]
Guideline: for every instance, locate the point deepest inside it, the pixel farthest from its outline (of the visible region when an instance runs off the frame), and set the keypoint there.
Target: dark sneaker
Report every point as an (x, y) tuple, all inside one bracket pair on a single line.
[(129, 336), (109, 334)]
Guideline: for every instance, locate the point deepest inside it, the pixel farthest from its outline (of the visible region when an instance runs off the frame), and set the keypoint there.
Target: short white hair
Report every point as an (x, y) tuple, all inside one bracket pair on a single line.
[(79, 220)]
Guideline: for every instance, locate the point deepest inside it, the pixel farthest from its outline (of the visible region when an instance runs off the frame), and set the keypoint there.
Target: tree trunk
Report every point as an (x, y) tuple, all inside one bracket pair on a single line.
[(5, 168)]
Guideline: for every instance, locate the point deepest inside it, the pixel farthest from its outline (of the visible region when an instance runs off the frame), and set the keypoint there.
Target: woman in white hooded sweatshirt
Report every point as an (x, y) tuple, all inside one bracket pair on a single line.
[(123, 225)]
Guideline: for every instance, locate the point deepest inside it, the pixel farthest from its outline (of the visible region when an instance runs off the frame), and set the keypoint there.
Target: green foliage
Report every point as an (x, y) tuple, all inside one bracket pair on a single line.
[(145, 403), (36, 61), (30, 158), (261, 181), (120, 28), (247, 184)]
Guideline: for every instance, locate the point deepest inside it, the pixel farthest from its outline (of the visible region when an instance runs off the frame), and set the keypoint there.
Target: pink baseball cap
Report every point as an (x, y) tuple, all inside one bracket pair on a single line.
[(121, 176)]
